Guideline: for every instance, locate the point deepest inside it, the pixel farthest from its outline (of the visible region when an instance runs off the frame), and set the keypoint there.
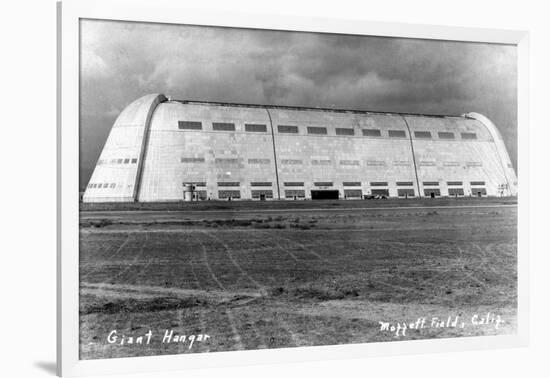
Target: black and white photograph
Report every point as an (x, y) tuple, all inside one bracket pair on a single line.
[(245, 189)]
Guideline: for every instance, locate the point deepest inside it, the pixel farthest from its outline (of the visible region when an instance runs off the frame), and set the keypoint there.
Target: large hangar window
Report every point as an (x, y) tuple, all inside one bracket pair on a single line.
[(353, 193), (259, 161), (468, 136), (259, 193), (255, 128), (405, 192), (323, 183), (223, 194), (456, 192), (189, 125), (379, 183), (445, 135), (479, 192), (291, 161), (316, 130), (454, 183), (228, 183), (432, 192), (404, 183), (287, 129), (344, 131), (423, 134), (351, 183), (295, 193), (477, 182), (349, 162), (430, 183), (260, 183), (226, 161), (371, 133), (397, 134), (192, 160), (223, 126), (294, 184)]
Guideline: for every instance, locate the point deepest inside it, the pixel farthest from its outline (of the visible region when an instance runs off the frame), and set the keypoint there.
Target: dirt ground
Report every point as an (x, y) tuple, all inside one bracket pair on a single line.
[(234, 280)]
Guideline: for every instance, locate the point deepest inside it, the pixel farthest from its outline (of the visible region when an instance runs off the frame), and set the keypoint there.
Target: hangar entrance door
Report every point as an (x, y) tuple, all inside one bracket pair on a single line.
[(324, 194)]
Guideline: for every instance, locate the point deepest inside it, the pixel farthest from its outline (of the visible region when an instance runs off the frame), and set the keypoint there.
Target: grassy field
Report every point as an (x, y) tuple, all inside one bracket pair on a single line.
[(250, 278)]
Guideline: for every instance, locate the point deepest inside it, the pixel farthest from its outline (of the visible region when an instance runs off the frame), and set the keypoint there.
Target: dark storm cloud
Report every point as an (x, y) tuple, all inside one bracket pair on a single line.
[(123, 61)]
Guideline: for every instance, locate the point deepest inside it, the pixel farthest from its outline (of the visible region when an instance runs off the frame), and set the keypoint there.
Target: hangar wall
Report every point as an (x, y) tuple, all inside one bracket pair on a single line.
[(247, 151)]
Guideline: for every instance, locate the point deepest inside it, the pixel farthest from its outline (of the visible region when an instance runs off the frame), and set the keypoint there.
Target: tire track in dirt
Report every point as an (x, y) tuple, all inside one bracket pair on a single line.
[(117, 321), (236, 335), (126, 241), (296, 340), (274, 240), (304, 248), (199, 286), (137, 257), (235, 263), (207, 264), (333, 269)]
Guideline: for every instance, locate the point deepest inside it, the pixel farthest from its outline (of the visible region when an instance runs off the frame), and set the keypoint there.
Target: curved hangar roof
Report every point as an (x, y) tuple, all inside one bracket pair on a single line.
[(156, 144)]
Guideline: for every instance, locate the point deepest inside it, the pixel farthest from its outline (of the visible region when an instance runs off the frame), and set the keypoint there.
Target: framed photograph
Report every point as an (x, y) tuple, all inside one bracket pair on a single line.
[(263, 188)]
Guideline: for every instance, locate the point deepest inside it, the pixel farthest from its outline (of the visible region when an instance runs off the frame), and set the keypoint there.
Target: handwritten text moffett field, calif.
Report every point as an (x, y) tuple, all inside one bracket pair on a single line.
[(399, 329)]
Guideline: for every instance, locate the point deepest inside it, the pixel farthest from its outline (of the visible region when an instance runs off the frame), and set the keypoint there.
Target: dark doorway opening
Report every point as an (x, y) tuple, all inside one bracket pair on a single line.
[(432, 195), (324, 194)]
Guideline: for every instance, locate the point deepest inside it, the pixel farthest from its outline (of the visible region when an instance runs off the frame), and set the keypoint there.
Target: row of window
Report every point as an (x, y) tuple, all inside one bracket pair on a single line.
[(316, 183), (353, 163), (117, 161), (348, 193), (319, 130), (345, 183), (105, 185)]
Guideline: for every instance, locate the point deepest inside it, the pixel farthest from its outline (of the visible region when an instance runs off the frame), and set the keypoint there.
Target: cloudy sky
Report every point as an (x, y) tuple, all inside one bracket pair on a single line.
[(122, 61)]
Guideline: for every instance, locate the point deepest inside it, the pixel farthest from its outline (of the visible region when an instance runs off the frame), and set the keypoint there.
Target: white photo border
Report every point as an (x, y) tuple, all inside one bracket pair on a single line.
[(169, 11)]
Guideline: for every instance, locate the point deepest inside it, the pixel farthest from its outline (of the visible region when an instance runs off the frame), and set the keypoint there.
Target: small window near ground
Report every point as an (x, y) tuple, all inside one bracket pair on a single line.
[(456, 192), (353, 193), (224, 194), (405, 192), (380, 192), (432, 192), (295, 194), (258, 193)]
